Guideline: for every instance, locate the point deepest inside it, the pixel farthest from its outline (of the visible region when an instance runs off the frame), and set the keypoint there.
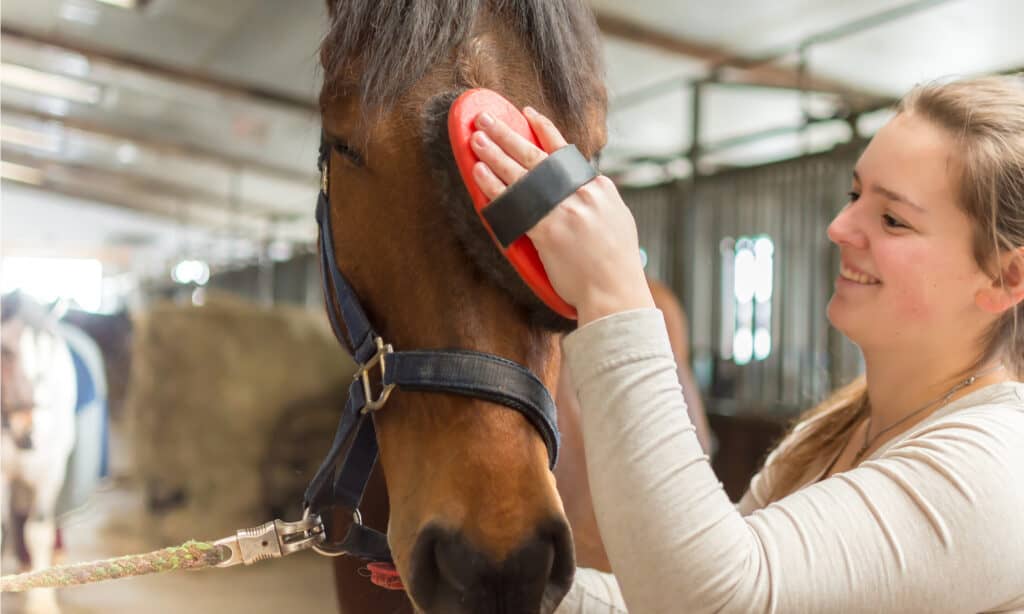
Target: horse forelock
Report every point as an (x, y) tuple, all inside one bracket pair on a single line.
[(416, 56), (378, 51)]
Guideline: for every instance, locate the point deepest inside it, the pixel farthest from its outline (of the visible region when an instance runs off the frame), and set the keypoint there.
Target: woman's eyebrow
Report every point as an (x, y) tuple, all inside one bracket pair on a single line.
[(891, 194)]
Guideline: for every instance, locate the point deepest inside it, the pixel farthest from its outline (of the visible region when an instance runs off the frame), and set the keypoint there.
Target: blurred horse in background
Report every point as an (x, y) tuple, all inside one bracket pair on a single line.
[(54, 423)]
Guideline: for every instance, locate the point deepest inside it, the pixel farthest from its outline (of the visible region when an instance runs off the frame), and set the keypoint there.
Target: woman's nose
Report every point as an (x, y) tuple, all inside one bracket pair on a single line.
[(847, 229)]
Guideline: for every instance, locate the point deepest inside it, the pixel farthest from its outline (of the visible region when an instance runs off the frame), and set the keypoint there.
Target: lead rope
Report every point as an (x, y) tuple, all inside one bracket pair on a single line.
[(190, 555), (270, 540)]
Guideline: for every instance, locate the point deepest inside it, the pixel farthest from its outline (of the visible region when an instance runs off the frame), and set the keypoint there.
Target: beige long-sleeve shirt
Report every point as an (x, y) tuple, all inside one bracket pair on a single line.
[(932, 522)]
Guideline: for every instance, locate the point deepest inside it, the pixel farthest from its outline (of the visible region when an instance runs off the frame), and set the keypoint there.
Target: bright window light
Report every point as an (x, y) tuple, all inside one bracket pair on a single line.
[(764, 249), (743, 346), (762, 343), (191, 272), (747, 309), (25, 78), (49, 279), (746, 273)]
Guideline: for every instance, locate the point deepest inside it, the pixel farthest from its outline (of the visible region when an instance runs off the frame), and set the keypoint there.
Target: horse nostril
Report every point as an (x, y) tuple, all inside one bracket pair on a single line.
[(451, 575)]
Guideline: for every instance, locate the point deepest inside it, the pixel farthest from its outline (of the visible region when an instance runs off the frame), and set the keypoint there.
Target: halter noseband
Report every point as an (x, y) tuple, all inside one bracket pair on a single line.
[(462, 372)]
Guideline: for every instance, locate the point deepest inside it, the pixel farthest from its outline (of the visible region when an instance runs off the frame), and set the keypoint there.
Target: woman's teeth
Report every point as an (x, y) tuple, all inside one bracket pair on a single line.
[(860, 278)]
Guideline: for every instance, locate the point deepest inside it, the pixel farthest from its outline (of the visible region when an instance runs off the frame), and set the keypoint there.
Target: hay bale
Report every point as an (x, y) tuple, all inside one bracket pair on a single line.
[(208, 385)]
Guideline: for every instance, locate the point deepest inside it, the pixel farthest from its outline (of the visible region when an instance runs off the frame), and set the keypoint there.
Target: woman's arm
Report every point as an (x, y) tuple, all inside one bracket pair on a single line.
[(886, 537), (679, 338)]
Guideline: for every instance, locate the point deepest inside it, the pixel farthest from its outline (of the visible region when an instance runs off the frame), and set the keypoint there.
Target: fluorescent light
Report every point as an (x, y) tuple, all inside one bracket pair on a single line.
[(86, 14), (45, 141), (125, 4), (127, 153), (53, 106), (18, 172), (191, 271), (33, 80)]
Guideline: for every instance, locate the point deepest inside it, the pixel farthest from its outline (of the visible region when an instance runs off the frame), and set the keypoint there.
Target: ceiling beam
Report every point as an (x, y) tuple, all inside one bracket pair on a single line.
[(724, 62), (136, 188), (178, 75), (192, 152)]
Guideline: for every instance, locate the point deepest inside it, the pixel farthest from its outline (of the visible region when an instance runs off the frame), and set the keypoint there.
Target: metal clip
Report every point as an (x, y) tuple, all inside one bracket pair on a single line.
[(272, 540), (383, 349), (334, 550)]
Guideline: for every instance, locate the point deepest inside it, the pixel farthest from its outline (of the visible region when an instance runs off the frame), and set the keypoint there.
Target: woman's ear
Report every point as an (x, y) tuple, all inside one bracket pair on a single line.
[(1008, 288)]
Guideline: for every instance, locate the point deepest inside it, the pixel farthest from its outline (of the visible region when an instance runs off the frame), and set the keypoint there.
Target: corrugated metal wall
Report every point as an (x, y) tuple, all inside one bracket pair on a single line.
[(792, 202)]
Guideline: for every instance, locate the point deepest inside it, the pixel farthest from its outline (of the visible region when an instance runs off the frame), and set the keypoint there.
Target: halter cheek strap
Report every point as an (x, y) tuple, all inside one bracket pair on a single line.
[(461, 372)]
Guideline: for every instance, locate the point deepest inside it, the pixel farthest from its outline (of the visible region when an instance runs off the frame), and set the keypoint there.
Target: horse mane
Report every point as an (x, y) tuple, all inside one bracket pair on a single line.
[(392, 45)]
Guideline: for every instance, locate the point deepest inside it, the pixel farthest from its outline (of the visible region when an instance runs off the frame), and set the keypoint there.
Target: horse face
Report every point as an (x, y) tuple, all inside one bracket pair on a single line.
[(475, 518), (476, 524), (16, 395)]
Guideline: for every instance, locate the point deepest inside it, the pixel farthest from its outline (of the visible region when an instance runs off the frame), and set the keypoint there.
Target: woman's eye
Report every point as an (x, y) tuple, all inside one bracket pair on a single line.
[(892, 222), (853, 196)]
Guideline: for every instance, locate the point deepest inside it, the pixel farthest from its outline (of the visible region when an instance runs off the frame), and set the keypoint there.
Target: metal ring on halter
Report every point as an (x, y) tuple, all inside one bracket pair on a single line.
[(357, 518), (378, 359)]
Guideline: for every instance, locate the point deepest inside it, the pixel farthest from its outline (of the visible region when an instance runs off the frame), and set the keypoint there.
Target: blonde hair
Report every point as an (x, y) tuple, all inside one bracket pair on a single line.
[(986, 118)]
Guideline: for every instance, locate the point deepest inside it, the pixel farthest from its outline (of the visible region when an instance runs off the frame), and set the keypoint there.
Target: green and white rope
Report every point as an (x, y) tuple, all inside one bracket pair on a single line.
[(190, 555)]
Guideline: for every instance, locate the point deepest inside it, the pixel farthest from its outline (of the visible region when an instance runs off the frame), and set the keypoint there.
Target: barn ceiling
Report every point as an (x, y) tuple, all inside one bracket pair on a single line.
[(135, 129)]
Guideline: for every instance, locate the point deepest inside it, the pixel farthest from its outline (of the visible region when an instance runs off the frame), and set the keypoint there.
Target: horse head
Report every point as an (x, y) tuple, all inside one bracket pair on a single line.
[(17, 399), (21, 315), (476, 523)]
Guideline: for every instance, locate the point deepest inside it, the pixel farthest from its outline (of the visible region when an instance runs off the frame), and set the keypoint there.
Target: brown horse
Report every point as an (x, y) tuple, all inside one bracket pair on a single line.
[(475, 522)]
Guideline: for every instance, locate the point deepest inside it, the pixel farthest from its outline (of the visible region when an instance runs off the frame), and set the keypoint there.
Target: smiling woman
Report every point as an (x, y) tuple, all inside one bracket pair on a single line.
[(925, 452), (930, 211)]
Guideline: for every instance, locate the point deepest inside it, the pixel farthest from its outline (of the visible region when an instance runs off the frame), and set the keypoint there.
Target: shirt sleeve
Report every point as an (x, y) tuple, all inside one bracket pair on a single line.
[(593, 592), (885, 537)]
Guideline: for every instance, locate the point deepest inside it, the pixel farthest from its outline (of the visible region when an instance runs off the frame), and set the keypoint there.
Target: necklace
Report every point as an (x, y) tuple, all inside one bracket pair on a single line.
[(942, 400)]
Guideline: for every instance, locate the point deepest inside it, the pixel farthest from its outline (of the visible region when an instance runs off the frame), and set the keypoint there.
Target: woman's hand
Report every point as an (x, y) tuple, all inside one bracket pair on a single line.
[(588, 243)]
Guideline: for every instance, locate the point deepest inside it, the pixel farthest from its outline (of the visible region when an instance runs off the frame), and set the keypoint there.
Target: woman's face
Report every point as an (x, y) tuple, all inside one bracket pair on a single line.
[(908, 274)]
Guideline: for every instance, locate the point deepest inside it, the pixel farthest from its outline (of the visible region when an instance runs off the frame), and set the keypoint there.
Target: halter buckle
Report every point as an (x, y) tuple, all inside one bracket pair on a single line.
[(383, 349)]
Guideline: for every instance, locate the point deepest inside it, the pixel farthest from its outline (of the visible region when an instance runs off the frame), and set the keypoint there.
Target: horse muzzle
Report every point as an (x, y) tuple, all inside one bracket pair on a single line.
[(449, 575)]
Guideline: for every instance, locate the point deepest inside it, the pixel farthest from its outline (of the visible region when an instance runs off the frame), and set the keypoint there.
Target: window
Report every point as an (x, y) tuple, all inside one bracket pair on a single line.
[(747, 284), (48, 279)]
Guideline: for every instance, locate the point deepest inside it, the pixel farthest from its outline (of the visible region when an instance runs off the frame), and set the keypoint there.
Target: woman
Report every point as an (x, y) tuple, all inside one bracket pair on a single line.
[(903, 492)]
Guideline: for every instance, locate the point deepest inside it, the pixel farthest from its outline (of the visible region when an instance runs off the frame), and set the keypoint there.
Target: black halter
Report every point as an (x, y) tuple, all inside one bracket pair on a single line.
[(462, 372)]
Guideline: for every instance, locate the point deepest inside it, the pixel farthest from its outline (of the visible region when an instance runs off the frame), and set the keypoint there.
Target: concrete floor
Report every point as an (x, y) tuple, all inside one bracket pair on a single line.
[(109, 526)]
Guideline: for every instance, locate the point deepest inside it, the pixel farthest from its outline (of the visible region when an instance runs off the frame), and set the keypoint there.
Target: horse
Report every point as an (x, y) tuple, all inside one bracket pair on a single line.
[(39, 394), (475, 517)]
